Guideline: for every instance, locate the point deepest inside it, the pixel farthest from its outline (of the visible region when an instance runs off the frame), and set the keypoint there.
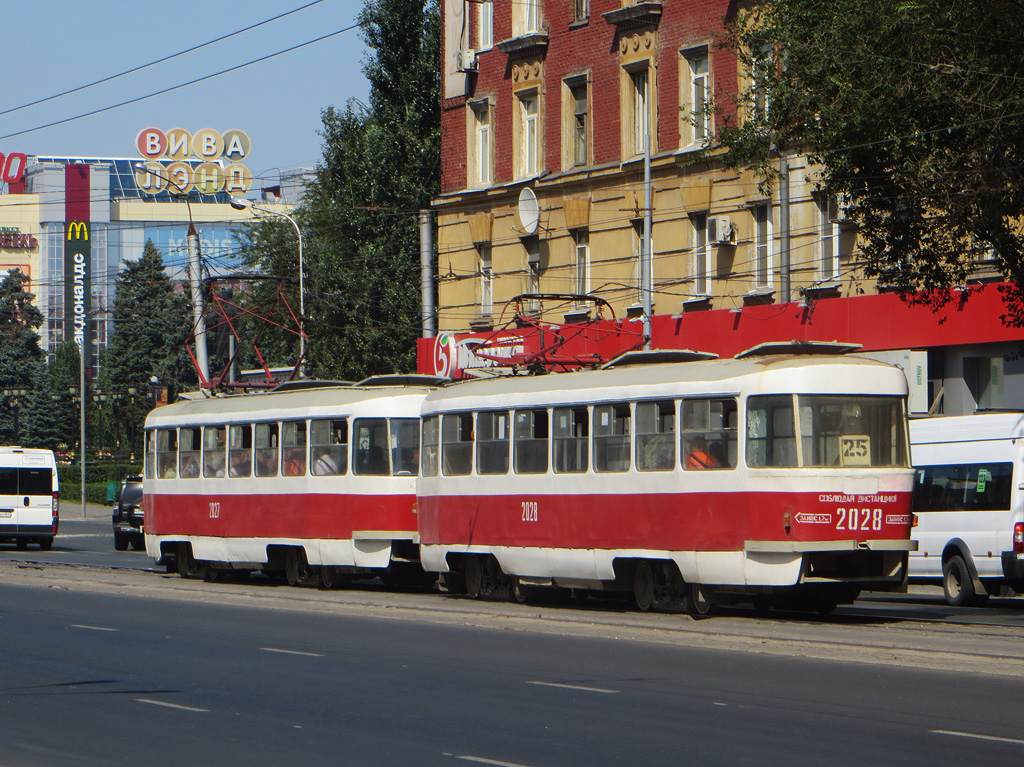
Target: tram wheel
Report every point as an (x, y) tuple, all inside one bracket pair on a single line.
[(187, 567), (473, 573), (643, 586), (700, 601), (296, 567), (517, 592), (325, 577)]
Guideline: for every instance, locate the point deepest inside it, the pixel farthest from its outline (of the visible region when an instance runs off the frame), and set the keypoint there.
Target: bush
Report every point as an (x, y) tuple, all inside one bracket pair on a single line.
[(97, 477)]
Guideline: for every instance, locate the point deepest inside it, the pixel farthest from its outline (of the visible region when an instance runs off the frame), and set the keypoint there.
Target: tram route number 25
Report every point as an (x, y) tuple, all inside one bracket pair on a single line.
[(859, 519), (529, 511)]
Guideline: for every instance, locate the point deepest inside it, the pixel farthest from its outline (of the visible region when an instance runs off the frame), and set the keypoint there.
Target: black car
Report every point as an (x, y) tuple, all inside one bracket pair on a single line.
[(128, 515)]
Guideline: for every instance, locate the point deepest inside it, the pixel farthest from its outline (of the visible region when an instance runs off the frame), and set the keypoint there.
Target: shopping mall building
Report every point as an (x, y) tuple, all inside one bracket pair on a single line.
[(71, 223)]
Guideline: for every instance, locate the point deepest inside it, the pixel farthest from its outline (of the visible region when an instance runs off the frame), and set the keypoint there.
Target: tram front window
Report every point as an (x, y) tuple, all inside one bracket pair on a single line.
[(834, 431)]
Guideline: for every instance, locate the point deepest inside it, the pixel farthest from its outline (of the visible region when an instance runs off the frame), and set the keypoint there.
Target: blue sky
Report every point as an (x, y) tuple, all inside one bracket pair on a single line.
[(52, 47)]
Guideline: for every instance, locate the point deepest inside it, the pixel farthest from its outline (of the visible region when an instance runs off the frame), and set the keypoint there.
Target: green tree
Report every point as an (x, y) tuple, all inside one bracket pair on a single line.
[(914, 111), (40, 419), (359, 217), (65, 373), (151, 329), (20, 354)]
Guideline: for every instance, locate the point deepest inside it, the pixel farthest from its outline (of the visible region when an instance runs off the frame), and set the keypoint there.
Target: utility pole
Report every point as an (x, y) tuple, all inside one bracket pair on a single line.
[(202, 359), (428, 311)]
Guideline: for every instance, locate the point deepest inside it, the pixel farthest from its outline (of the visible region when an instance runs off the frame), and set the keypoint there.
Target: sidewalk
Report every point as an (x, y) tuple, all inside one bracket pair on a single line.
[(72, 510)]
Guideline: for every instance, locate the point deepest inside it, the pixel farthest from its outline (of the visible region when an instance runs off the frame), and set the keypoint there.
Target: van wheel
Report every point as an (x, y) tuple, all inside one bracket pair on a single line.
[(958, 584), (45, 544)]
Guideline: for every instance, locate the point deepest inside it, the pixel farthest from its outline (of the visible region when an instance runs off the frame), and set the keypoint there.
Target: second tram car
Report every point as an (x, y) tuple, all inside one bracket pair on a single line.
[(766, 479), (316, 484)]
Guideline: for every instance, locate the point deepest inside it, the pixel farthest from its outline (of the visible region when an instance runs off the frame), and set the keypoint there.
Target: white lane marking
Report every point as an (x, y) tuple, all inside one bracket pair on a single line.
[(481, 760), (293, 652), (92, 628), (171, 705), (978, 737), (576, 687)]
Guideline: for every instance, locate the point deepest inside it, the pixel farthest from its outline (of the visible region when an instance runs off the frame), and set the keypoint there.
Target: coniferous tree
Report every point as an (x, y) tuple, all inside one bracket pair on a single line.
[(151, 328), (21, 357)]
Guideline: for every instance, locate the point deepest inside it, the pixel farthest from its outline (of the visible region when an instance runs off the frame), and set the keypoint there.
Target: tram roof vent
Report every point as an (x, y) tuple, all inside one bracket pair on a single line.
[(658, 357), (404, 380), (798, 347), (309, 383)]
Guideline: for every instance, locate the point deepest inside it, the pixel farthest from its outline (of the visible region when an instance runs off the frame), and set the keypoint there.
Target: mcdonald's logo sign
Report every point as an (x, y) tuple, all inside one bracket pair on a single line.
[(78, 230)]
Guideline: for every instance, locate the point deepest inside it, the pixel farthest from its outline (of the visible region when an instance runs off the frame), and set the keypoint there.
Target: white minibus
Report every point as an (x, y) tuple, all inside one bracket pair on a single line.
[(29, 497), (969, 502)]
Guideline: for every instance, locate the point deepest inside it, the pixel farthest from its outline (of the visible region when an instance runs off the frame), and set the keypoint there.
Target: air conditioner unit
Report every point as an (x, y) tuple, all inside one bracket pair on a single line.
[(720, 229), (465, 60)]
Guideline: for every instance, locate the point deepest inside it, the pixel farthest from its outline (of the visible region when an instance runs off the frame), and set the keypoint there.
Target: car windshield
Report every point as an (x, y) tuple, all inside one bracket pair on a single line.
[(132, 493)]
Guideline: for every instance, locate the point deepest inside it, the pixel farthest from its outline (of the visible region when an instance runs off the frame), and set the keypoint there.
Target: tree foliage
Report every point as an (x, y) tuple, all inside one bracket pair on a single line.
[(151, 329), (915, 112), (359, 217), (21, 357)]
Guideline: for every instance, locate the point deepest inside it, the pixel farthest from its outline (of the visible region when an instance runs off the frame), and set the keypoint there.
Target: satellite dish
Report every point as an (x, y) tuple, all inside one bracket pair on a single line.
[(529, 211)]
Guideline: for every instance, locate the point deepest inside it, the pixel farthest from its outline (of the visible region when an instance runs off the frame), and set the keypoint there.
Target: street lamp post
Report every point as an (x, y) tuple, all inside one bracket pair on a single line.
[(13, 397), (241, 203)]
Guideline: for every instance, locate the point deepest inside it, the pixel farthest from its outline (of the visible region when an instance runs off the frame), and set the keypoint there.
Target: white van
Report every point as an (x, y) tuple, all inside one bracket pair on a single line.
[(969, 502), (29, 497)]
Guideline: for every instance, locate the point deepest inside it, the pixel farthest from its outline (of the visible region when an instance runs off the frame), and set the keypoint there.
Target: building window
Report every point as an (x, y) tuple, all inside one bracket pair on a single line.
[(828, 233), (484, 25), (582, 10), (696, 127), (525, 17), (532, 247), (762, 246), (762, 72), (481, 155), (701, 255), (639, 244), (577, 119), (581, 262), (529, 135), (486, 280), (638, 103)]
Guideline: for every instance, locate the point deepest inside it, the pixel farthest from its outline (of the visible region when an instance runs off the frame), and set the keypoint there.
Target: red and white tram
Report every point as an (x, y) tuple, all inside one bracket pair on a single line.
[(312, 483), (766, 477)]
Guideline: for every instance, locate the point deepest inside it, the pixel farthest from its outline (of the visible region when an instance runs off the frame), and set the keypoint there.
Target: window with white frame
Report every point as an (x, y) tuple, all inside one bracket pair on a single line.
[(577, 122), (762, 215), (486, 280), (763, 61), (582, 10), (828, 237), (484, 25), (701, 254), (482, 151), (525, 17), (639, 244), (696, 128), (581, 262), (639, 101), (529, 134), (532, 248)]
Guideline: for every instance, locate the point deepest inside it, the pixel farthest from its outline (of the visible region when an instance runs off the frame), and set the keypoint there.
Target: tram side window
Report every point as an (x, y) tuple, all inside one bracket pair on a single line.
[(190, 447), (167, 453), (405, 446), (611, 438), (293, 448), (963, 487), (457, 444), (430, 445), (492, 438), (265, 449), (371, 451), (214, 443), (571, 439), (531, 441), (239, 450), (150, 459), (708, 434), (329, 444), (771, 431), (656, 436)]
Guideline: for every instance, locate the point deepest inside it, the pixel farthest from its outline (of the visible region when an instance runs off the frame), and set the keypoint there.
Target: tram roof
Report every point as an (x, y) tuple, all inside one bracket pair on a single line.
[(291, 403), (822, 374)]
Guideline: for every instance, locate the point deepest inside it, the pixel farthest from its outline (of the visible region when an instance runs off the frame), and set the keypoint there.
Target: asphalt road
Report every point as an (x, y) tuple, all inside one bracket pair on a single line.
[(101, 676)]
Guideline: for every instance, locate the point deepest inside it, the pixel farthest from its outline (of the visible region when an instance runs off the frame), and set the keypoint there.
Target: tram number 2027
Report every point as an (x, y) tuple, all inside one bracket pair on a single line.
[(529, 511), (859, 519)]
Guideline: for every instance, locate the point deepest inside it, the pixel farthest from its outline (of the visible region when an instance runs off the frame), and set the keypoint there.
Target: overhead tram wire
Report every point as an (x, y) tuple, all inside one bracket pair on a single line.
[(181, 85), (158, 61)]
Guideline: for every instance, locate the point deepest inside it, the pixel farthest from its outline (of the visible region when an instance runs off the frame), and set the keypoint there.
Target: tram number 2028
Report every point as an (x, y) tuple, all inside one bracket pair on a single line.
[(529, 511), (859, 519)]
